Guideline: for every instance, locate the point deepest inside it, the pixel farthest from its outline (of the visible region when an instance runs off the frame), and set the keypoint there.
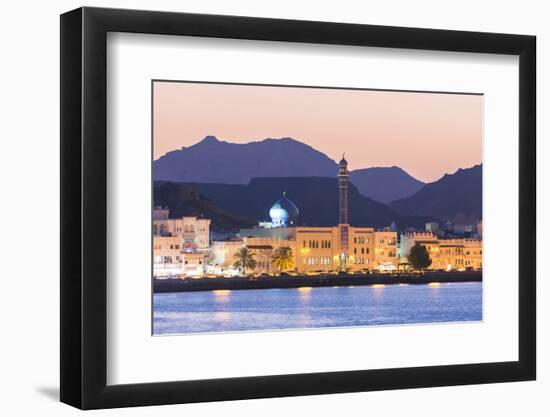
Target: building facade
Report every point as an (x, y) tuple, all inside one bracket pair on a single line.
[(319, 250), (166, 256), (446, 254), (264, 249), (222, 254), (385, 251), (222, 257), (180, 246), (194, 231)]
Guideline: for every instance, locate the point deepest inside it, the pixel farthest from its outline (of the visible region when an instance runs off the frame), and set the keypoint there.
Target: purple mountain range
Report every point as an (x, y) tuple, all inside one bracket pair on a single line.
[(215, 161), (456, 197)]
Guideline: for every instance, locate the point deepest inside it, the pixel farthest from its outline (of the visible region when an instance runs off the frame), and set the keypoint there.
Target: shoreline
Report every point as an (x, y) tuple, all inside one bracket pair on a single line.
[(318, 281)]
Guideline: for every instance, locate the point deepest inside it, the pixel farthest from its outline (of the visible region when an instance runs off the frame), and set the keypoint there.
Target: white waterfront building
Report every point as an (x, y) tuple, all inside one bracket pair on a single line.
[(180, 246)]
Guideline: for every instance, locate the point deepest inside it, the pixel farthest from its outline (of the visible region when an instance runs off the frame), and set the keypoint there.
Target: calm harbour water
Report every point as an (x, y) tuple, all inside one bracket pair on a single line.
[(237, 310)]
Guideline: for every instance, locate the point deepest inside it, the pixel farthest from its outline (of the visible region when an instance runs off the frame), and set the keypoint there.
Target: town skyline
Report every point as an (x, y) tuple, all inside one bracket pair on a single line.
[(426, 134)]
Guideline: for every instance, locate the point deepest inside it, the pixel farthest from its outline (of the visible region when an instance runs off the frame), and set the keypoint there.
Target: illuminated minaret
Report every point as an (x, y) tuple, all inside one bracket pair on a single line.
[(343, 186), (343, 215)]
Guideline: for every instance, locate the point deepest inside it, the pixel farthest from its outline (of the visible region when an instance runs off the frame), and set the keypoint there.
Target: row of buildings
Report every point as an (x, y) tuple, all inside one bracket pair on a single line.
[(182, 247)]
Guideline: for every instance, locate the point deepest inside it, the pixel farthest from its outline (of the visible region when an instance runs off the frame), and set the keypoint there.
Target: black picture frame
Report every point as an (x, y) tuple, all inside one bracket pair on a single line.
[(84, 207)]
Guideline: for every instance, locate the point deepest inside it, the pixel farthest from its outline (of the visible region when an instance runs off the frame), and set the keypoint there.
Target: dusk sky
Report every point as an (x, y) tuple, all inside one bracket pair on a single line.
[(426, 134)]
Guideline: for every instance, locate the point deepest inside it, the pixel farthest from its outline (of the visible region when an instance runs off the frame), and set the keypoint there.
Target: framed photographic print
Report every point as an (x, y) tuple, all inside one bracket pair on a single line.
[(258, 207)]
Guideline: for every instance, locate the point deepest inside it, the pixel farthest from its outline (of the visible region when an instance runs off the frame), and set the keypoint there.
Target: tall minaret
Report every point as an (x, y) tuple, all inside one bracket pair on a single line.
[(343, 186)]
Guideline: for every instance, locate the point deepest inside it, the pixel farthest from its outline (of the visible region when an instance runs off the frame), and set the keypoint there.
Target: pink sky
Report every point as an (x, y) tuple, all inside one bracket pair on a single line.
[(426, 134)]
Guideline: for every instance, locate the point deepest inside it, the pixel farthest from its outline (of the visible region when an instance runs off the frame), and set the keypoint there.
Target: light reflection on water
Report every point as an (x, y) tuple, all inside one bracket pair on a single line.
[(378, 292), (222, 316), (304, 293), (306, 307)]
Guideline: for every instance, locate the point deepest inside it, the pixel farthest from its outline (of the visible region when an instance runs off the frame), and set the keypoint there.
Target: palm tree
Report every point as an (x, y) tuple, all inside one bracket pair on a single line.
[(244, 259), (283, 258)]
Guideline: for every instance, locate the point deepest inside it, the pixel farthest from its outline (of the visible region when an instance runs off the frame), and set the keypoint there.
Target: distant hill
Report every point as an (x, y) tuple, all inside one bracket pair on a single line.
[(316, 198), (385, 184), (215, 161), (456, 197)]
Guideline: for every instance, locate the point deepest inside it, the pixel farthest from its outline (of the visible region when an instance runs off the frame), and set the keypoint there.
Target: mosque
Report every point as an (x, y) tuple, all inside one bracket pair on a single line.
[(322, 249), (283, 213)]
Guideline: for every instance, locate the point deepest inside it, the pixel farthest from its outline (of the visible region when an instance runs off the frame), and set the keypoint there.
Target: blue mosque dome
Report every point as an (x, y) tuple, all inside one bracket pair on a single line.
[(284, 212)]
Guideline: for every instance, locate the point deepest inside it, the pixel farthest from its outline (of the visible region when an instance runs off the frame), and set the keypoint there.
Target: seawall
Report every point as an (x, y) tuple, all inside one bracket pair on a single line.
[(240, 283)]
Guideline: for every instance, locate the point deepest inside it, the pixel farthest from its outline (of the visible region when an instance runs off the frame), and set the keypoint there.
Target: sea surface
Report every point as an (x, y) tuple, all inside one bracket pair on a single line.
[(288, 308)]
